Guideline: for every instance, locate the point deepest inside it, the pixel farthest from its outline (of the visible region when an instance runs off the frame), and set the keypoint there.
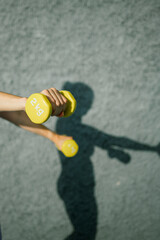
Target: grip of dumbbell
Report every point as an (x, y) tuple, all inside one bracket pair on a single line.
[(38, 115), (71, 104)]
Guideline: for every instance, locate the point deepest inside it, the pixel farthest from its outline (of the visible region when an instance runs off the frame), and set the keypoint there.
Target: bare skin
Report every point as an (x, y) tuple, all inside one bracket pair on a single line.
[(12, 108)]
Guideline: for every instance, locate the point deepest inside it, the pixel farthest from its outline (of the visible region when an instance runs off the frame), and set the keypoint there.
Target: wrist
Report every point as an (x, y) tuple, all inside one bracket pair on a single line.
[(53, 136), (23, 103)]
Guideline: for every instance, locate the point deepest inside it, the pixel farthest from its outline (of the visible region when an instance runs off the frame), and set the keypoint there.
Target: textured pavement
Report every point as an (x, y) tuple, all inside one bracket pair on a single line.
[(107, 53)]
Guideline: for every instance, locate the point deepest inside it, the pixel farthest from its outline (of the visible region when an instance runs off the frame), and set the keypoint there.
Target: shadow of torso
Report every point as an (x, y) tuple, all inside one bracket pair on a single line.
[(76, 182)]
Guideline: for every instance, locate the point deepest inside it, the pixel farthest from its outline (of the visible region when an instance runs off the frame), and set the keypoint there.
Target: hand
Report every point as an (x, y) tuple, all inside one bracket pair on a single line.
[(57, 100), (60, 139)]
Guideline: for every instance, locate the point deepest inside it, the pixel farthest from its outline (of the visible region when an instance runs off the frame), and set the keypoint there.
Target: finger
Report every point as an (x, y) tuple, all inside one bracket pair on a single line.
[(58, 95), (64, 99), (65, 103), (51, 97), (55, 103), (58, 106), (56, 100)]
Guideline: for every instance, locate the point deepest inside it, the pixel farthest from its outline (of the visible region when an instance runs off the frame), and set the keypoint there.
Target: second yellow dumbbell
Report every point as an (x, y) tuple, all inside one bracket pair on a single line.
[(69, 148), (39, 108)]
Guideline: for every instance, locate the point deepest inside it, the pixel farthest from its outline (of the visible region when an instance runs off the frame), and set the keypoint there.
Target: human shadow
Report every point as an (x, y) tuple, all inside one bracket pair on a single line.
[(76, 182)]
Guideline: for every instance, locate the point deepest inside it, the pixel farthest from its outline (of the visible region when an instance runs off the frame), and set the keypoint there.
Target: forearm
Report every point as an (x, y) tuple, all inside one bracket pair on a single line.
[(10, 102), (21, 119)]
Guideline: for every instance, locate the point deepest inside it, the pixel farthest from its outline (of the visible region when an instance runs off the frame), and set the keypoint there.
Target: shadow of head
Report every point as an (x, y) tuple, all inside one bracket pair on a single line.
[(83, 94)]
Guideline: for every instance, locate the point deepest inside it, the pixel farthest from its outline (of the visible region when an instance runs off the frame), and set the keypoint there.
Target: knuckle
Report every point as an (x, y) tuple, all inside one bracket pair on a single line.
[(54, 89), (45, 91)]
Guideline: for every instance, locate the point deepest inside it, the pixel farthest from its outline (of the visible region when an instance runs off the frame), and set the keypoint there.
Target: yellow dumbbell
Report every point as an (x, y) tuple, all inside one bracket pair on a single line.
[(39, 108), (69, 148)]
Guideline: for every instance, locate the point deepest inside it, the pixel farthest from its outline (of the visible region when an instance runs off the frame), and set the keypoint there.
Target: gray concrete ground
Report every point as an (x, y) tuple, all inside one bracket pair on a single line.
[(107, 53)]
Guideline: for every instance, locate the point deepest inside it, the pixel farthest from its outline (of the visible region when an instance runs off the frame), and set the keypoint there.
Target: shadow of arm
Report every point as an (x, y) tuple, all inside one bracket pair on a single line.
[(106, 141)]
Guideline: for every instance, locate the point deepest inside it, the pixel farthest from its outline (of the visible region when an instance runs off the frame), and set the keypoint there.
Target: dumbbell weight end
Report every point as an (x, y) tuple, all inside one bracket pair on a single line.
[(38, 108), (71, 103)]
